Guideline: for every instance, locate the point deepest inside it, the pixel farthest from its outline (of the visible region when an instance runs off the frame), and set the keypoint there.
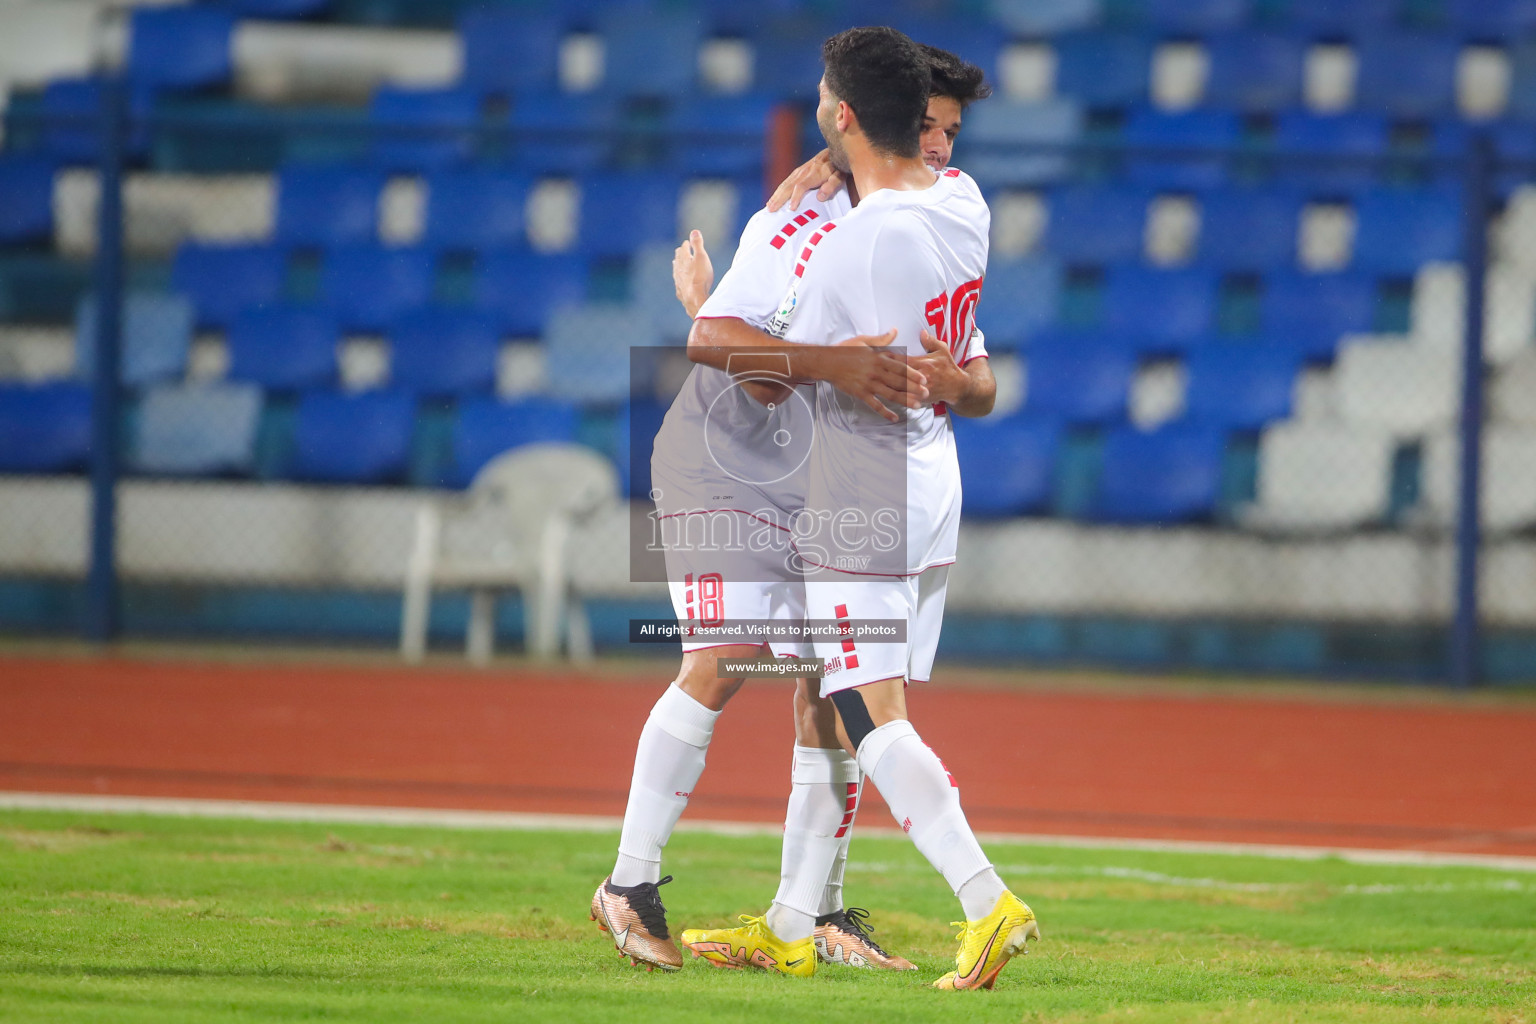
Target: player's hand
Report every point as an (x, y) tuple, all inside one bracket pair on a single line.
[(867, 369), (816, 173), (693, 275), (946, 381)]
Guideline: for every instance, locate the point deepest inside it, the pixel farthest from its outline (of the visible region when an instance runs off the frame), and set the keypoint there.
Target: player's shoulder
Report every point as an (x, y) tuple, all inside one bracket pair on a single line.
[(962, 184), (779, 228)]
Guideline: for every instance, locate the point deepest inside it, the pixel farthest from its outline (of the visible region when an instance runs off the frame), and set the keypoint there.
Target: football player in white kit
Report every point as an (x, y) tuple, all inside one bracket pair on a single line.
[(913, 255), (767, 483)]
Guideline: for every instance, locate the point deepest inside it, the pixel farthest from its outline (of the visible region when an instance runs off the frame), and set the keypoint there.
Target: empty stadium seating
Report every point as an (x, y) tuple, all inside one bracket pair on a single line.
[(155, 338), (486, 427), (1168, 475), (284, 348), (44, 428), (441, 353), (1101, 152), (197, 429), (1008, 464), (325, 205), (369, 287), (26, 199), (353, 438)]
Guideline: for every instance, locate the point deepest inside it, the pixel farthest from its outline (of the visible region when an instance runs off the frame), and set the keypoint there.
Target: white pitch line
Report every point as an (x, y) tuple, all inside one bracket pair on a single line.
[(351, 814)]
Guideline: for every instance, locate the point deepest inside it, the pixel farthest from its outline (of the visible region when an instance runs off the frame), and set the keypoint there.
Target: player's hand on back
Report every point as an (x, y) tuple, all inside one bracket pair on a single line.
[(693, 275), (866, 368), (816, 174), (946, 381)]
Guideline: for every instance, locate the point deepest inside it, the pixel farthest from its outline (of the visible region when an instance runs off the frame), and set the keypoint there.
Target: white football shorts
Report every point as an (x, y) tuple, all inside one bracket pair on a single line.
[(854, 661)]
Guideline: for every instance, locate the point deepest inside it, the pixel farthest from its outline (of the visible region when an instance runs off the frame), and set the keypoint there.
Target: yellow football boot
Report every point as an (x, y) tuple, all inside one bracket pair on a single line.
[(987, 945), (752, 945)]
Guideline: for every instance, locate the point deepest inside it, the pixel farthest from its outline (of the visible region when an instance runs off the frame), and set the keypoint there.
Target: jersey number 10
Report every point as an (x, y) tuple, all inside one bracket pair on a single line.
[(952, 315)]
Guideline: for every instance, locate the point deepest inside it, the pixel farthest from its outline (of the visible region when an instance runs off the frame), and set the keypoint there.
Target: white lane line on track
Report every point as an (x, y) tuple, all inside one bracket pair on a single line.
[(258, 810)]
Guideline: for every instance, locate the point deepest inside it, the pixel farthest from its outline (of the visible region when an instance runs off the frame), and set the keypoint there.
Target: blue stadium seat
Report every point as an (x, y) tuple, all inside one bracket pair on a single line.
[(1167, 310), (1104, 69), (284, 348), (1167, 476), (26, 199), (1522, 81), (1097, 224), (44, 428), (587, 351), (274, 10), (1514, 142), (649, 51), (1007, 464), (1407, 75), (1342, 150), (738, 20), (1248, 230), (1185, 135), (1330, 18), (1398, 231), (1019, 298), (511, 51), (977, 42), (622, 212), (1311, 311), (1034, 18), (418, 130), (486, 427), (555, 133), (1079, 385), (324, 205), (652, 291), (368, 287), (441, 353), (359, 438), (1009, 143), (782, 62), (199, 430), (180, 47), (225, 280), (519, 289), (638, 418), (475, 209), (1495, 21), (155, 339), (1194, 17), (71, 108), (1243, 387), (718, 136), (1255, 71)]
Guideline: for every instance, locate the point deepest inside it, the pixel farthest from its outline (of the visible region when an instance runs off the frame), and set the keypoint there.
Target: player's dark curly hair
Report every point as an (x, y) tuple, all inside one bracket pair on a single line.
[(957, 79), (883, 76)]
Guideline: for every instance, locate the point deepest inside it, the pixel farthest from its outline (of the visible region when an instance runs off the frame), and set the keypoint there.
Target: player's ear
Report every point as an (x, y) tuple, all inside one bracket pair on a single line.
[(846, 118)]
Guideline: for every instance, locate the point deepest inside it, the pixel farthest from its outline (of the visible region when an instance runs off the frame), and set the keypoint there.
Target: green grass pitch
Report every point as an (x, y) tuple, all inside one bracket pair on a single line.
[(134, 918)]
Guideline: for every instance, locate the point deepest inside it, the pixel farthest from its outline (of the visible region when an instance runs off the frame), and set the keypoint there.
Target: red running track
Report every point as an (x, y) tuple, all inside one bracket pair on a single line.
[(1422, 774)]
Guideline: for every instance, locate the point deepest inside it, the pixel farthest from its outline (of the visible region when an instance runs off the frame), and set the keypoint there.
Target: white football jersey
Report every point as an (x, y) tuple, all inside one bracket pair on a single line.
[(718, 447), (904, 260)]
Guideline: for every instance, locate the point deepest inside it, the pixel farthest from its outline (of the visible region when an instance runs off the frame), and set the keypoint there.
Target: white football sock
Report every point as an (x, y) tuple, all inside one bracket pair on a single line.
[(668, 763), (823, 798), (832, 897), (925, 801)]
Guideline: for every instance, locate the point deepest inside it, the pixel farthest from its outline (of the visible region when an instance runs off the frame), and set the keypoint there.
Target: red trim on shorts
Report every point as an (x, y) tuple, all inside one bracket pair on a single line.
[(710, 511)]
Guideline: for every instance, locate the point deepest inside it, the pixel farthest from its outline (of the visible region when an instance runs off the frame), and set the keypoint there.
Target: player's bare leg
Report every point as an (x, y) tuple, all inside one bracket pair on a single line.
[(668, 762), (824, 798), (925, 800)]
